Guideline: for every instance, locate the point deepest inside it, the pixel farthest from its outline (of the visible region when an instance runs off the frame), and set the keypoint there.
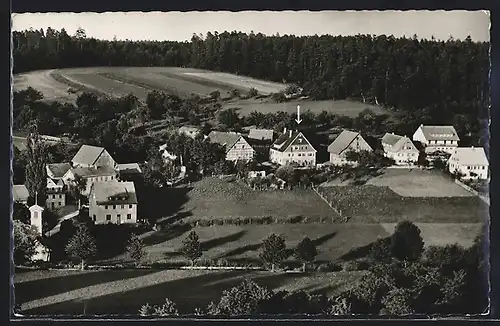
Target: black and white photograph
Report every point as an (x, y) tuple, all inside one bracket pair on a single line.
[(245, 164)]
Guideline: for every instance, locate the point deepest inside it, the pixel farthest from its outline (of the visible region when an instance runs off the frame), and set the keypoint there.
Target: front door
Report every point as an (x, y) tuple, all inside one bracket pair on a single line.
[(118, 219), (52, 204)]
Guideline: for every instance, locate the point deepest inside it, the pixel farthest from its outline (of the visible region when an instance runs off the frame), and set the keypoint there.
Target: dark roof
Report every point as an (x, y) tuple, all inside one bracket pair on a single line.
[(103, 190), (342, 141), (227, 139), (129, 168), (285, 140), (87, 154), (440, 133), (261, 134), (100, 171), (59, 169), (20, 193)]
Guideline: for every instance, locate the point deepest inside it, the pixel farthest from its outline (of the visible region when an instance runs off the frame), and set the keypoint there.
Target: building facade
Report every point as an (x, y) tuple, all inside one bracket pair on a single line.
[(344, 143), (470, 162), (93, 157), (56, 196), (400, 149), (437, 138), (236, 146), (113, 202), (292, 147)]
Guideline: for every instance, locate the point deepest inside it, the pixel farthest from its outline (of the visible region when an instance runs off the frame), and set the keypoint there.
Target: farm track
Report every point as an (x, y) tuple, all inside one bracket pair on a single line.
[(137, 83), (80, 86)]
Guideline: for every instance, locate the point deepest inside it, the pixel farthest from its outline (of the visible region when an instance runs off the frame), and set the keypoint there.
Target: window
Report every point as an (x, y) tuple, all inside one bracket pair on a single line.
[(60, 196), (106, 207), (108, 217), (35, 214), (118, 216), (129, 206), (60, 203), (123, 206), (111, 177), (93, 218), (114, 206), (129, 216)]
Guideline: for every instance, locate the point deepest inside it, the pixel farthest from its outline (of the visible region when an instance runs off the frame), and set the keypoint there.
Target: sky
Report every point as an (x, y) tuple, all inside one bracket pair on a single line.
[(180, 26)]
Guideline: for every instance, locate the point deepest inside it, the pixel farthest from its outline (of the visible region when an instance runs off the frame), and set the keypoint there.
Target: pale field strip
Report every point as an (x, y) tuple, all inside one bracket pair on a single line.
[(263, 87)]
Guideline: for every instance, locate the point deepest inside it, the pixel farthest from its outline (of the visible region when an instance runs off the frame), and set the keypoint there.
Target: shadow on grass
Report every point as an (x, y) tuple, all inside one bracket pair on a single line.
[(212, 243), (241, 250), (188, 293), (319, 241), (158, 202), (363, 251), (32, 290), (166, 234)]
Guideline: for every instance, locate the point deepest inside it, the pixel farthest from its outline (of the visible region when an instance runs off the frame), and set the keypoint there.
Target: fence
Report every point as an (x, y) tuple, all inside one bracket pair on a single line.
[(344, 218), (473, 191)]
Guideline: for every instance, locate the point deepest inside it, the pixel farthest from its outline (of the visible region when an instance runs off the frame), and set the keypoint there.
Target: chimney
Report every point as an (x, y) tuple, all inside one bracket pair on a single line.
[(472, 147), (284, 130), (290, 133)]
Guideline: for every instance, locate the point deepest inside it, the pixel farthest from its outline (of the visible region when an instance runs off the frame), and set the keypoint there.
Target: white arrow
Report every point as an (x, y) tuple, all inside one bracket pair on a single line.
[(299, 120)]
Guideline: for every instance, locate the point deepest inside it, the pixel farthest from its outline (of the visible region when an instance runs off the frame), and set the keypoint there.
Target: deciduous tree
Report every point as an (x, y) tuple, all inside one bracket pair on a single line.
[(273, 250), (81, 246), (305, 252)]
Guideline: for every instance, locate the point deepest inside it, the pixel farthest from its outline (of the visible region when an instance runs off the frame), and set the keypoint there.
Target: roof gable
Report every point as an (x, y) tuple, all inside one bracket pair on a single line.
[(58, 170), (261, 134), (226, 139), (343, 141), (285, 140), (114, 191), (20, 193), (87, 154), (397, 142), (439, 132)]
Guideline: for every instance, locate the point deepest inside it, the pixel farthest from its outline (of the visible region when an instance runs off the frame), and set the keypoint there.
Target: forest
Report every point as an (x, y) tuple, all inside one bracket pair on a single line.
[(436, 78)]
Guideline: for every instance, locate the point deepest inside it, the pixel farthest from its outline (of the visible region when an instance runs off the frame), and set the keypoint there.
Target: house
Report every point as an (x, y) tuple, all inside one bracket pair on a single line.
[(399, 148), (20, 194), (90, 174), (261, 134), (93, 157), (128, 171), (166, 155), (56, 171), (236, 146), (113, 202), (471, 162), (437, 138), (344, 143), (256, 174), (56, 197), (189, 131), (292, 147)]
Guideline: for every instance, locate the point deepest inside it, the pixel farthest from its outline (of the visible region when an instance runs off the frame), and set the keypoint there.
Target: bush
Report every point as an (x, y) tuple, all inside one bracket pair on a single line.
[(329, 267)]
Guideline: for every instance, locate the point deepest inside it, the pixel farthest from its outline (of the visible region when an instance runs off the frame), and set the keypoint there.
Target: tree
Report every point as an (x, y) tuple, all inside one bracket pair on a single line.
[(305, 252), (229, 118), (245, 299), (340, 307), (406, 242), (146, 310), (398, 302), (21, 213), (253, 92), (168, 308), (135, 248), (36, 174), (82, 245), (273, 250), (25, 242), (192, 247)]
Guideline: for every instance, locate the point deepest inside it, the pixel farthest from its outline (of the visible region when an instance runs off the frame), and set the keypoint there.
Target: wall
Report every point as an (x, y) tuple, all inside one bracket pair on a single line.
[(105, 160), (240, 151), (55, 200), (100, 212)]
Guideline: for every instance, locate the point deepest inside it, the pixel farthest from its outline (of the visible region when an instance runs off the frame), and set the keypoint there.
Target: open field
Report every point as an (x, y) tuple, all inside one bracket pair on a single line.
[(242, 243), (118, 81), (215, 198), (340, 107), (412, 182), (125, 291)]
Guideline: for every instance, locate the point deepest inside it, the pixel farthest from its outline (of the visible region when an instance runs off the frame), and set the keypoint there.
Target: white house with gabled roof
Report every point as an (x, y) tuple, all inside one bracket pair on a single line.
[(400, 149), (344, 143), (292, 147), (471, 162), (437, 138), (236, 146)]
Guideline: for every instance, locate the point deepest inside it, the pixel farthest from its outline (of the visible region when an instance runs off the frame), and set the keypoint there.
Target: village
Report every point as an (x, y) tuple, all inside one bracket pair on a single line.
[(110, 193)]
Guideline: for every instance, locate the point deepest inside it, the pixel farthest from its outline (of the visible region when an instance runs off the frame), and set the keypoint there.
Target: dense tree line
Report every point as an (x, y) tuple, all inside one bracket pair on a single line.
[(438, 77)]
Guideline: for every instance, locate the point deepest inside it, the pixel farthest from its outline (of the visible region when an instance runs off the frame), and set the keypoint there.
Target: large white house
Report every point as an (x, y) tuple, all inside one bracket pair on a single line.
[(437, 138), (237, 148), (113, 202), (399, 148), (471, 162), (292, 147), (344, 143)]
